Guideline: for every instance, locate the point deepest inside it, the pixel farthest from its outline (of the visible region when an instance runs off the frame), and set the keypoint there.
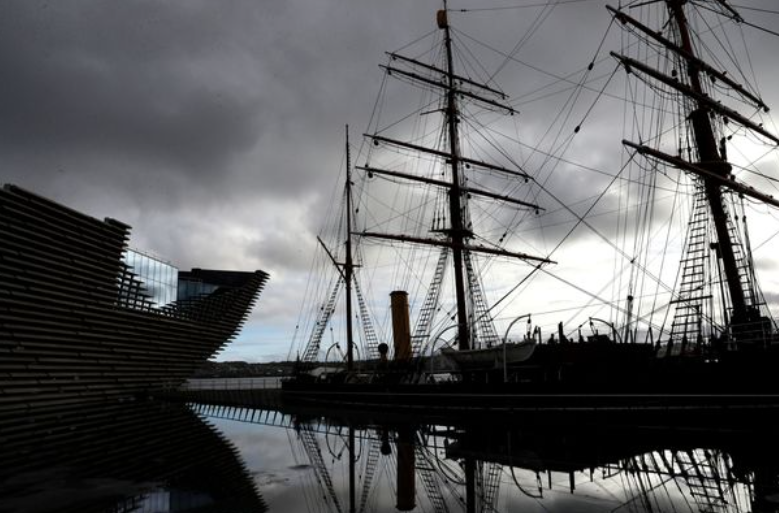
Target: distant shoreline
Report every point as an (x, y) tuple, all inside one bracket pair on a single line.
[(243, 369)]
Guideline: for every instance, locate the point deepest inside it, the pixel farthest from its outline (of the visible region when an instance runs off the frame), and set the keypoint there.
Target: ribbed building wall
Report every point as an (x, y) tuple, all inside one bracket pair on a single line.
[(75, 325)]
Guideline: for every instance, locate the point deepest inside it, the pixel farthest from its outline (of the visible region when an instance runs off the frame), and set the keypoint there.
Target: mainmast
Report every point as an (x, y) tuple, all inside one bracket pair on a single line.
[(457, 233)]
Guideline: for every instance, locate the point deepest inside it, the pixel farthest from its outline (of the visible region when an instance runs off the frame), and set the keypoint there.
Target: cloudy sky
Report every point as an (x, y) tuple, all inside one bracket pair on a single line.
[(215, 128)]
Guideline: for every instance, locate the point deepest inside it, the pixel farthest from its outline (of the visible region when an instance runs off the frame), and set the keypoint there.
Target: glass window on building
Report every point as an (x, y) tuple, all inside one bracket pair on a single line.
[(160, 278), (194, 289)]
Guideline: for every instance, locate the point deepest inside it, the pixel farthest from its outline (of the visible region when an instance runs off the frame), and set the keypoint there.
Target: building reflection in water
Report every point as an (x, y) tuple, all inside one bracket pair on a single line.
[(136, 456), (359, 463)]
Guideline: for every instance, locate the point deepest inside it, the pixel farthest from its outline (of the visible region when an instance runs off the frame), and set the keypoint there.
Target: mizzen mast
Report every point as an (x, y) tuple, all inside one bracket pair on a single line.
[(349, 264)]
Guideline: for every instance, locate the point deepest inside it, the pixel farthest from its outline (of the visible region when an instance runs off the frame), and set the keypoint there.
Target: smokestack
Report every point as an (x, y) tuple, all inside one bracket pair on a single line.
[(401, 326)]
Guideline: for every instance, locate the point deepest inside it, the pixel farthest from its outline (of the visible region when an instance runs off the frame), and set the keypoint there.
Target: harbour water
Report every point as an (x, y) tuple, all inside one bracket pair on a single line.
[(303, 465), (153, 456)]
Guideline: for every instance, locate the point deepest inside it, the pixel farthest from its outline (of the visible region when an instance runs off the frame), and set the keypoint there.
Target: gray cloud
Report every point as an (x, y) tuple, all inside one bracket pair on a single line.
[(140, 80)]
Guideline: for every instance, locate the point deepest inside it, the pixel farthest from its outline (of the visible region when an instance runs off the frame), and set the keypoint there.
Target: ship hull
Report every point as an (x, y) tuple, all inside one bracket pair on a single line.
[(443, 401), (577, 378)]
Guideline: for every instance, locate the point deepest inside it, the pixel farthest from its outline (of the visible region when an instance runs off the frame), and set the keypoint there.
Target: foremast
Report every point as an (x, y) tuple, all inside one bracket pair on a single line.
[(711, 160), (712, 169)]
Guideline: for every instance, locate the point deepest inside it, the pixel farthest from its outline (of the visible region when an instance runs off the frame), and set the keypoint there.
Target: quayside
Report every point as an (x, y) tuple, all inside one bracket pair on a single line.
[(694, 334)]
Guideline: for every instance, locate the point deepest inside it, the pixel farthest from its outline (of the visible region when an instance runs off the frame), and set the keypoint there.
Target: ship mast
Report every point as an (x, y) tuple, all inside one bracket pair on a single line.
[(458, 236), (457, 233), (711, 160), (349, 264), (712, 168)]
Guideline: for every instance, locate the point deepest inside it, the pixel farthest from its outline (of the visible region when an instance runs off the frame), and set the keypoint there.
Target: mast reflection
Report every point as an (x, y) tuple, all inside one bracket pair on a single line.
[(396, 463)]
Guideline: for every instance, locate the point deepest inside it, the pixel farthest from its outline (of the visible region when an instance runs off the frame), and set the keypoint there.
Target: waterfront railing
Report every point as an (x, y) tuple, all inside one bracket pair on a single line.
[(254, 383)]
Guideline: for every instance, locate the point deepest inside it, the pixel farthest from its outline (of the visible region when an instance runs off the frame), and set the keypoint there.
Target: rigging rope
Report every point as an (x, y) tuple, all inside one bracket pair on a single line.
[(523, 6), (745, 22)]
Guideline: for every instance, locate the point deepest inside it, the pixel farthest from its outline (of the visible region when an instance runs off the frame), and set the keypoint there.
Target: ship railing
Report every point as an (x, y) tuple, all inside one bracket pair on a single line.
[(243, 383)]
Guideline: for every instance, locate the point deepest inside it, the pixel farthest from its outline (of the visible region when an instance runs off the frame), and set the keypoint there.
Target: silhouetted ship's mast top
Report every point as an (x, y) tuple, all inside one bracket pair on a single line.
[(458, 236), (711, 167), (716, 262)]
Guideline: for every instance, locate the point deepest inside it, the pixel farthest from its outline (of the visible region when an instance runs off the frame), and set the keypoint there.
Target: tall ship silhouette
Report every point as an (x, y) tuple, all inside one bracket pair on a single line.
[(444, 191)]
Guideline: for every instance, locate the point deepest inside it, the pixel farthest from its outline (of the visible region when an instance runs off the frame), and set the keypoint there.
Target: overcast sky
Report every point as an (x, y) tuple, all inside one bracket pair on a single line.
[(215, 128)]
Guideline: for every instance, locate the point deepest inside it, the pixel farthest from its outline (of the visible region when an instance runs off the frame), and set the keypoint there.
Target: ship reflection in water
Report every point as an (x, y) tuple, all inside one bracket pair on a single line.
[(349, 462), (146, 457), (136, 456)]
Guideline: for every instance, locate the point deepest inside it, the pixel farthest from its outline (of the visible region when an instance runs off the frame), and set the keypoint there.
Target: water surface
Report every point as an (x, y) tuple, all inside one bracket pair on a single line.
[(302, 464), (147, 456)]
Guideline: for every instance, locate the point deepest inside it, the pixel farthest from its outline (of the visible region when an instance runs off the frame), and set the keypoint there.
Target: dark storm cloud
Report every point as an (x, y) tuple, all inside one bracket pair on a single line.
[(243, 96), (139, 80), (179, 117)]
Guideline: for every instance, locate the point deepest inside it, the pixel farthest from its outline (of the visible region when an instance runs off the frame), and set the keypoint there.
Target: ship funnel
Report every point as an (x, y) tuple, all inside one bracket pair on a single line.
[(401, 326)]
